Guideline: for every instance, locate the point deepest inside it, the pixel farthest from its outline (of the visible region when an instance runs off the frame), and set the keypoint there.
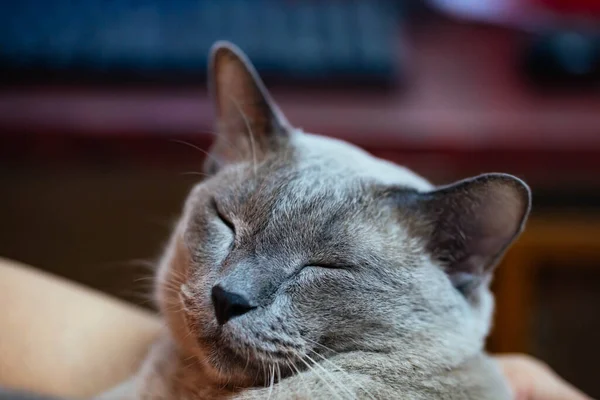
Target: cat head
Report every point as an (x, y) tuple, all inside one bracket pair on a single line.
[(299, 246)]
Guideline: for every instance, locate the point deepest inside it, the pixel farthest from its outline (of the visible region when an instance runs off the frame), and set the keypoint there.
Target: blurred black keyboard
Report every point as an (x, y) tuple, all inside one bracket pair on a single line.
[(339, 41)]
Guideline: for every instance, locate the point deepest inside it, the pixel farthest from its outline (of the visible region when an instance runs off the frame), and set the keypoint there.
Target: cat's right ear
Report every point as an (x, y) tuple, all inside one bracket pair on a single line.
[(248, 123), (469, 225)]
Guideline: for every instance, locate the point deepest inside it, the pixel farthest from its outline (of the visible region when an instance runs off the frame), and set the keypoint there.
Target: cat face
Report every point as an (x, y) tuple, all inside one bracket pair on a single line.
[(299, 247)]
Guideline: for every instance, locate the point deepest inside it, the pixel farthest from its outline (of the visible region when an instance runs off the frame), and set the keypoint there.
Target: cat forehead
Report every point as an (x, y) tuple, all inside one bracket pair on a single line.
[(311, 169), (345, 160)]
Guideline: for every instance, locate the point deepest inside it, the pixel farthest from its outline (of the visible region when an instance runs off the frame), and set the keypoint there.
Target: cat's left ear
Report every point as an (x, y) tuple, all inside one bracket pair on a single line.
[(248, 122), (470, 224)]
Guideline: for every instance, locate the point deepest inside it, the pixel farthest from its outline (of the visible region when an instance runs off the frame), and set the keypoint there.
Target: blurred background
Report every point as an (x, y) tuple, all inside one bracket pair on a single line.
[(98, 96)]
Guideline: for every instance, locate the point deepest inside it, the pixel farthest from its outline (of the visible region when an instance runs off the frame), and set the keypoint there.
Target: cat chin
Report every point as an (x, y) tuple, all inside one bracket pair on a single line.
[(234, 362), (236, 371)]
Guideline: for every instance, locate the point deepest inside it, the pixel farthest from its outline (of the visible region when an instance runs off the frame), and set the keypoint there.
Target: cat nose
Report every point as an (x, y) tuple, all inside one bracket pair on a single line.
[(228, 304)]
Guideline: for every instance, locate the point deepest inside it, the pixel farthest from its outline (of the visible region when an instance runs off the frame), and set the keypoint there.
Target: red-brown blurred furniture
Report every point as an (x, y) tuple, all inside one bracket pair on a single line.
[(572, 241), (464, 107)]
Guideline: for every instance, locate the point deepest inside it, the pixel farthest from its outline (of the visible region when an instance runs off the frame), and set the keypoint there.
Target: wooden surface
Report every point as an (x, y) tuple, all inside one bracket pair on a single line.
[(569, 241)]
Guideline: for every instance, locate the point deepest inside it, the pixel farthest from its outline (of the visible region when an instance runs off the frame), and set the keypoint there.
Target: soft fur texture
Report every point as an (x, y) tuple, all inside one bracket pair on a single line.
[(365, 280)]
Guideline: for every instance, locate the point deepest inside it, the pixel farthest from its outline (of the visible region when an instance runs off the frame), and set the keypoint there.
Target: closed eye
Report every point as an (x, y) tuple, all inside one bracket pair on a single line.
[(226, 221), (329, 265)]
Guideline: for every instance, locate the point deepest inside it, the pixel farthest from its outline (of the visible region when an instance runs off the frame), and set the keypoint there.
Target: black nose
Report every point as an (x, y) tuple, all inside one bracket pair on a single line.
[(228, 304)]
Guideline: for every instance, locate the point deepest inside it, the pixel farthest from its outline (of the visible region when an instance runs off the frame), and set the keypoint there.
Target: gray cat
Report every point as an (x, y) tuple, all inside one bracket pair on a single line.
[(305, 268)]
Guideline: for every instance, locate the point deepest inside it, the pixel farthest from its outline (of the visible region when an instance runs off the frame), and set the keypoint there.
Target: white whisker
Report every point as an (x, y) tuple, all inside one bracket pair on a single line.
[(331, 376), (195, 173), (272, 379), (333, 389), (193, 146), (301, 376), (339, 369), (320, 345), (250, 134)]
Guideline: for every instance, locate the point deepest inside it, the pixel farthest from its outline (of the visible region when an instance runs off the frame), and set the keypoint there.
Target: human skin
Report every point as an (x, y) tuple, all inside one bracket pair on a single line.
[(59, 338), (531, 379), (63, 339)]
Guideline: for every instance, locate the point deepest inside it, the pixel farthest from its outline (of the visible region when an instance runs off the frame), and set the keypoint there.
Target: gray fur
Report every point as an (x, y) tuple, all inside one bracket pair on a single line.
[(368, 281)]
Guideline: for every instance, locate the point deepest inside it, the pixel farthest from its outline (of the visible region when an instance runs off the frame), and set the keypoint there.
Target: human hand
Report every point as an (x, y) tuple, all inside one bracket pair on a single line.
[(531, 379)]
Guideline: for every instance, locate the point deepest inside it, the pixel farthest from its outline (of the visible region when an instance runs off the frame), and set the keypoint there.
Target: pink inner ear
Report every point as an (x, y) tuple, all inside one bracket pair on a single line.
[(246, 120), (494, 222), (240, 102), (485, 249), (475, 222), (501, 216)]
